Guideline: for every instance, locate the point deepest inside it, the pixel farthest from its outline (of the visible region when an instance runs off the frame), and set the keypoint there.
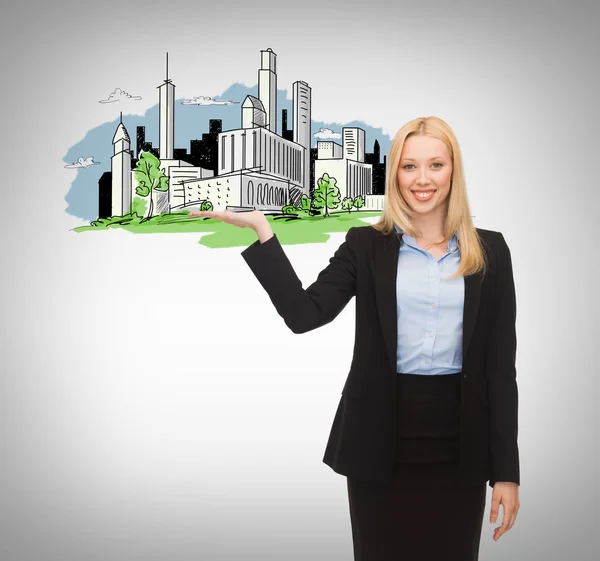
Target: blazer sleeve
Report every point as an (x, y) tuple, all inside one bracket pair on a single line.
[(305, 309), (501, 373)]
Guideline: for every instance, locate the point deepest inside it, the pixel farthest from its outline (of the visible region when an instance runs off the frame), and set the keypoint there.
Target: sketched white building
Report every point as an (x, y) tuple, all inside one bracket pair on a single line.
[(120, 167), (253, 113), (178, 171), (178, 176), (373, 202), (258, 168), (302, 120), (329, 150), (166, 128), (346, 163), (267, 87)]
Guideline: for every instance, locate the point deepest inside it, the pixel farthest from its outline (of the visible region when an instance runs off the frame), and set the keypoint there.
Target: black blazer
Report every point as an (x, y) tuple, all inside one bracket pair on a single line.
[(361, 443)]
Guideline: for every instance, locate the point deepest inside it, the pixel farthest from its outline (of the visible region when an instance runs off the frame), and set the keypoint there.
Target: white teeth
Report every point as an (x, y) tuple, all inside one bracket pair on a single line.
[(424, 195)]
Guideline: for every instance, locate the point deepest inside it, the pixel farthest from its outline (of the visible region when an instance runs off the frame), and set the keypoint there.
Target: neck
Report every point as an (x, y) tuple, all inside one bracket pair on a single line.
[(431, 228)]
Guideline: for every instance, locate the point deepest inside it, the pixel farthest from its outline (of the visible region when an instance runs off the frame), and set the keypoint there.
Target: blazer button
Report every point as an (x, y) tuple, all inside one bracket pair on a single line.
[(464, 375)]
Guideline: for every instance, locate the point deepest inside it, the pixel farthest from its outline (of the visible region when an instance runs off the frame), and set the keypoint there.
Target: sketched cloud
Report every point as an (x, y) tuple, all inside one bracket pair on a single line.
[(83, 163), (119, 94), (206, 100), (327, 133)]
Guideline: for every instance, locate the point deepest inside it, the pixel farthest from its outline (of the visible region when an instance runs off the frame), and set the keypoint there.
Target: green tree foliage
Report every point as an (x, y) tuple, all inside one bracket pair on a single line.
[(138, 207), (359, 202), (149, 177), (347, 203), (327, 194), (305, 203)]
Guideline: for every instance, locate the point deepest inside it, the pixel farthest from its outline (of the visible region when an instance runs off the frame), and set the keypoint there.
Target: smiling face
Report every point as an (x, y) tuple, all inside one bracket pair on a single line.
[(426, 167)]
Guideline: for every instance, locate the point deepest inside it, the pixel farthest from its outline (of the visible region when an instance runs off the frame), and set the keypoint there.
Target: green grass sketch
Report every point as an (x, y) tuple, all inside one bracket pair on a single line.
[(291, 229)]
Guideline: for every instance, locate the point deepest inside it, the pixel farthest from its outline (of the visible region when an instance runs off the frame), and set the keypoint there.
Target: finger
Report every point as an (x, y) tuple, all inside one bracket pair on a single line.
[(498, 529), (216, 214), (506, 517), (495, 506), (514, 517)]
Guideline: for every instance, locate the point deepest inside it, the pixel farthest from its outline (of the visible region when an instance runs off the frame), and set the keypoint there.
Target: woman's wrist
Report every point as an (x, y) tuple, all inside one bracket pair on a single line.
[(264, 232)]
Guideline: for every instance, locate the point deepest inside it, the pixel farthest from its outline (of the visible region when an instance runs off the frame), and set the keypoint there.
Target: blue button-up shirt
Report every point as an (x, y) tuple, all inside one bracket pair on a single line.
[(430, 309)]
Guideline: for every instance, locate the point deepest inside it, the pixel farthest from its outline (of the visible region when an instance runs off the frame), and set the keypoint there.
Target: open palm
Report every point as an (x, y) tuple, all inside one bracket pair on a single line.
[(252, 219)]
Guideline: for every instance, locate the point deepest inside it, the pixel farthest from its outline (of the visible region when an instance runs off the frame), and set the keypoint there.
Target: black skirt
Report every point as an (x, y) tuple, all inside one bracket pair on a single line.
[(425, 513)]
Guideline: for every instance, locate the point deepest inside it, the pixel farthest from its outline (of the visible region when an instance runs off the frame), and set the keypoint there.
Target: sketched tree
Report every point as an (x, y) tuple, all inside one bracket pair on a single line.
[(150, 177), (304, 203), (359, 202), (347, 203), (327, 194)]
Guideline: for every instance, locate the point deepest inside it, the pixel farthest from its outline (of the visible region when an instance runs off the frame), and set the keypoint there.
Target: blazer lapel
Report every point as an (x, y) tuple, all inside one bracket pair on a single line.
[(385, 264)]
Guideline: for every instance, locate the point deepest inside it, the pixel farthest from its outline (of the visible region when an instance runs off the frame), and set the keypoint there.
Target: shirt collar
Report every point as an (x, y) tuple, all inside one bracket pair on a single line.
[(452, 243)]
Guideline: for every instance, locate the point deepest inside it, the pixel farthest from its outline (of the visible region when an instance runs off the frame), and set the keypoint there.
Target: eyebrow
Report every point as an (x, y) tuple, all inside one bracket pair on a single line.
[(413, 160)]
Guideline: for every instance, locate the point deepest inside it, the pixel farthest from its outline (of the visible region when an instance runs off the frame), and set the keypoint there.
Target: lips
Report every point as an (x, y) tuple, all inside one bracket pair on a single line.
[(429, 192)]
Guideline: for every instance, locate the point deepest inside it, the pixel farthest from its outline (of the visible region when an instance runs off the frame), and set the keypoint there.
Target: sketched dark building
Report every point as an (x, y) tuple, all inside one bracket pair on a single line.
[(141, 143), (314, 154), (105, 195), (288, 134), (204, 152), (373, 158)]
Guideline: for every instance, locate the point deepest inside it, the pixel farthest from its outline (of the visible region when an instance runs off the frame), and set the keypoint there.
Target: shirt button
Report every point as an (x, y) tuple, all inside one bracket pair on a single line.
[(433, 305)]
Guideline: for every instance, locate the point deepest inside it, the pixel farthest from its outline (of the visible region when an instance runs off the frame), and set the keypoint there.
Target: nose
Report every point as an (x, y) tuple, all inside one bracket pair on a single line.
[(423, 179)]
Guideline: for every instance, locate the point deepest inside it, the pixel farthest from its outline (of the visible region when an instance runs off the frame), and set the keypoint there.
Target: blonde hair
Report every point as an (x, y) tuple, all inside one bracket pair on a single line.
[(397, 211)]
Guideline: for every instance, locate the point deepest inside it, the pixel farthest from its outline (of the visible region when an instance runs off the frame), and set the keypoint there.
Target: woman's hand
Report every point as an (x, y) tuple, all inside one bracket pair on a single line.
[(507, 494), (254, 219)]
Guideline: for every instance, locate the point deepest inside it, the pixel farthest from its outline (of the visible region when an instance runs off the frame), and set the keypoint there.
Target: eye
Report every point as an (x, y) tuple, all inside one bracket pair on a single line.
[(435, 164)]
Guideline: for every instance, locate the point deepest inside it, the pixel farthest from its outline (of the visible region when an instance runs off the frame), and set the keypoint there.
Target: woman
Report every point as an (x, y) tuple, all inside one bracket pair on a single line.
[(429, 410)]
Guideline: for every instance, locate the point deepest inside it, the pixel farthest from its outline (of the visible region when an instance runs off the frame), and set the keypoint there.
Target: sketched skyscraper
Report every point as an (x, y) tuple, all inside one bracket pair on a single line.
[(267, 87), (302, 103), (354, 143), (166, 130), (120, 166)]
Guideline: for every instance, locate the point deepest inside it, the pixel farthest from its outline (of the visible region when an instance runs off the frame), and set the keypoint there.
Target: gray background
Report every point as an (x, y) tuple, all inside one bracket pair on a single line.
[(154, 405)]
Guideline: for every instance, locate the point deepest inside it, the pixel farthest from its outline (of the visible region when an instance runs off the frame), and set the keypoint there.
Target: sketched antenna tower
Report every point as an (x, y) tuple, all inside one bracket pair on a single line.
[(166, 125)]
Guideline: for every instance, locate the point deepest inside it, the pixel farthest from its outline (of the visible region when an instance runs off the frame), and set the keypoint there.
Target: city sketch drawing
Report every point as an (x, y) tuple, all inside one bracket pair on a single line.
[(309, 178)]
